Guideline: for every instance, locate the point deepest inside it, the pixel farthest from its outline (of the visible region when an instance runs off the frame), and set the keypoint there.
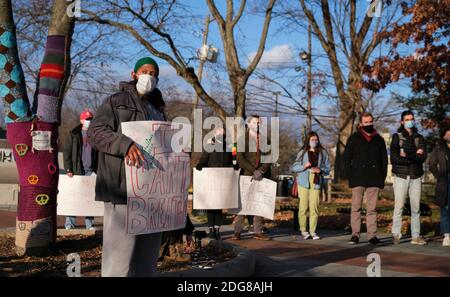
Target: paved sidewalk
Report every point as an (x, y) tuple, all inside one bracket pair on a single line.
[(288, 254)]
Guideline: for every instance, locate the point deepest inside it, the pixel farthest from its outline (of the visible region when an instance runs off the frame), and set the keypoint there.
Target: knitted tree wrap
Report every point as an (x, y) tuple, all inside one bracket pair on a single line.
[(38, 179), (51, 78), (12, 91)]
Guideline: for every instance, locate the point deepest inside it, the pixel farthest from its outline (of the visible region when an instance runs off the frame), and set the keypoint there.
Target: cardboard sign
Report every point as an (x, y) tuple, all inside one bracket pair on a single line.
[(256, 197), (76, 196), (158, 191), (216, 188)]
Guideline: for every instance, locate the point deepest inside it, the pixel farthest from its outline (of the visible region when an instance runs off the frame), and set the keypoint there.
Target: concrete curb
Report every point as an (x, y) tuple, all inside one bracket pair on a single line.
[(243, 265)]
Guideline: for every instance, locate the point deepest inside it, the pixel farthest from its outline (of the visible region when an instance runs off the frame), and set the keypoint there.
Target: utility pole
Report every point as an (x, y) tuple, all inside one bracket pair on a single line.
[(309, 87), (202, 61), (277, 93), (199, 75)]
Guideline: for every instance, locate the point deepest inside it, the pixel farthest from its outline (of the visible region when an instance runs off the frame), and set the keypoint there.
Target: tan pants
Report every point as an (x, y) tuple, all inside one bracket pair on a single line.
[(309, 199), (371, 195)]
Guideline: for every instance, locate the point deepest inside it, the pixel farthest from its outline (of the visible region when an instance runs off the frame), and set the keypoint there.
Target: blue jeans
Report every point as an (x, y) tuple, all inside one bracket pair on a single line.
[(70, 222), (445, 211), (89, 221), (402, 189)]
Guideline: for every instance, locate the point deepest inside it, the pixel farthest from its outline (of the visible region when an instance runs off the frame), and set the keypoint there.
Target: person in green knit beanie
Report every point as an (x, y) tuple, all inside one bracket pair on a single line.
[(137, 100)]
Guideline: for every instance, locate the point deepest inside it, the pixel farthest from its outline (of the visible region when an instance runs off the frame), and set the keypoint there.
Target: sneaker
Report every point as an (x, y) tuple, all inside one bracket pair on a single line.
[(69, 227), (251, 230), (397, 238), (315, 236), (236, 236), (374, 240), (446, 241), (418, 241), (306, 235), (261, 236), (354, 240), (92, 229)]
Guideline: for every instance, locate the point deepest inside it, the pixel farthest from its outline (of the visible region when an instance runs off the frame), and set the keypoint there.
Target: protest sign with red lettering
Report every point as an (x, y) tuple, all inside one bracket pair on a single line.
[(157, 191)]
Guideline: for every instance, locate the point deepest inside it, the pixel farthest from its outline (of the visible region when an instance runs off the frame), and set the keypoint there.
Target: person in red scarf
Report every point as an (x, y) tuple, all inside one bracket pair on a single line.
[(365, 164)]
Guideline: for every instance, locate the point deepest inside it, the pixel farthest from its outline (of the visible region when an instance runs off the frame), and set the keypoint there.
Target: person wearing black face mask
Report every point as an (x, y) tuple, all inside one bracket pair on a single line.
[(220, 158), (365, 164)]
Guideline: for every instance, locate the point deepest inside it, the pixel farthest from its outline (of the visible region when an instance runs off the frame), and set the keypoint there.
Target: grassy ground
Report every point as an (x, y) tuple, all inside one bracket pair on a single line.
[(330, 219)]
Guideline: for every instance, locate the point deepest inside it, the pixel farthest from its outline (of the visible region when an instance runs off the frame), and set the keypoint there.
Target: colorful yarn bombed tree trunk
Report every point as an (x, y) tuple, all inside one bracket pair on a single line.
[(33, 134)]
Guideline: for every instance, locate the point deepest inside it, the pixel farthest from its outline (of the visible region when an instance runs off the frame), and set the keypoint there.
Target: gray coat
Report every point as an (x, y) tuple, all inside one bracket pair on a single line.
[(105, 135), (438, 166)]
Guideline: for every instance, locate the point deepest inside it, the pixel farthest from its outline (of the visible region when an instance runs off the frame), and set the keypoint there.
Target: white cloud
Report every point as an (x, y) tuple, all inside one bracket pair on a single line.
[(277, 57), (168, 76)]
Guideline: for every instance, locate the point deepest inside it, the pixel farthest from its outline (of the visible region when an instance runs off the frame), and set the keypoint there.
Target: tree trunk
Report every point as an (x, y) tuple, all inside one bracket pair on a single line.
[(34, 142), (345, 124)]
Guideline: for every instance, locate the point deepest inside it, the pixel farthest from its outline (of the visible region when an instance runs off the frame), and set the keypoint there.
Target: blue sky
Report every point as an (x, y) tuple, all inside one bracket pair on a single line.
[(282, 48)]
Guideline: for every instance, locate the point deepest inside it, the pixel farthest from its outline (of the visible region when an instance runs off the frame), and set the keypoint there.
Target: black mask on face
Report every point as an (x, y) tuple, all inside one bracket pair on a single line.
[(369, 129)]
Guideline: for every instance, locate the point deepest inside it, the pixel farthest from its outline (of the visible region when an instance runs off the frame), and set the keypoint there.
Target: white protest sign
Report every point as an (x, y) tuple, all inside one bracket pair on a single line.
[(257, 197), (157, 192), (76, 196), (216, 188)]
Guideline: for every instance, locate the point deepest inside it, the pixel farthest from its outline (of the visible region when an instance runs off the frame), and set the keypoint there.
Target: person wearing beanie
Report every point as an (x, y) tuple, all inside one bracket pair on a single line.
[(138, 100), (80, 159)]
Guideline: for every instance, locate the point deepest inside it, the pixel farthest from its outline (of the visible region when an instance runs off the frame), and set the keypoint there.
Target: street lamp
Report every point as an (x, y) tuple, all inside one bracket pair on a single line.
[(306, 56)]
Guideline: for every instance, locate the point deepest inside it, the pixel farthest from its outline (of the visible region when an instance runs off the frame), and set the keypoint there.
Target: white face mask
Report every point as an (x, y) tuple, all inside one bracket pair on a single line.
[(86, 124), (146, 83)]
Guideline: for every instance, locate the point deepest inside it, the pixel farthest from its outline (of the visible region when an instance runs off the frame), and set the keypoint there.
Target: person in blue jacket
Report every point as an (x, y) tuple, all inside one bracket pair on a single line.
[(311, 165)]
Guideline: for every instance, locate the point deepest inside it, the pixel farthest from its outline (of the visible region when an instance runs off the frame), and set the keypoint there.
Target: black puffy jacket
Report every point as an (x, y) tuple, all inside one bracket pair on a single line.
[(412, 164)]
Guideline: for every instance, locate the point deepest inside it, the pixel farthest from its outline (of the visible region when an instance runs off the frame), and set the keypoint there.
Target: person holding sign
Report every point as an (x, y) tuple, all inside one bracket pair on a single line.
[(216, 159), (311, 165), (80, 159), (251, 163), (139, 100)]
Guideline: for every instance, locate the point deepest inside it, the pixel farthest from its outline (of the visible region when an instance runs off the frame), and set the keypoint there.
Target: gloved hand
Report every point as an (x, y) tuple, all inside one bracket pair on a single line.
[(199, 168), (257, 175), (236, 167)]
